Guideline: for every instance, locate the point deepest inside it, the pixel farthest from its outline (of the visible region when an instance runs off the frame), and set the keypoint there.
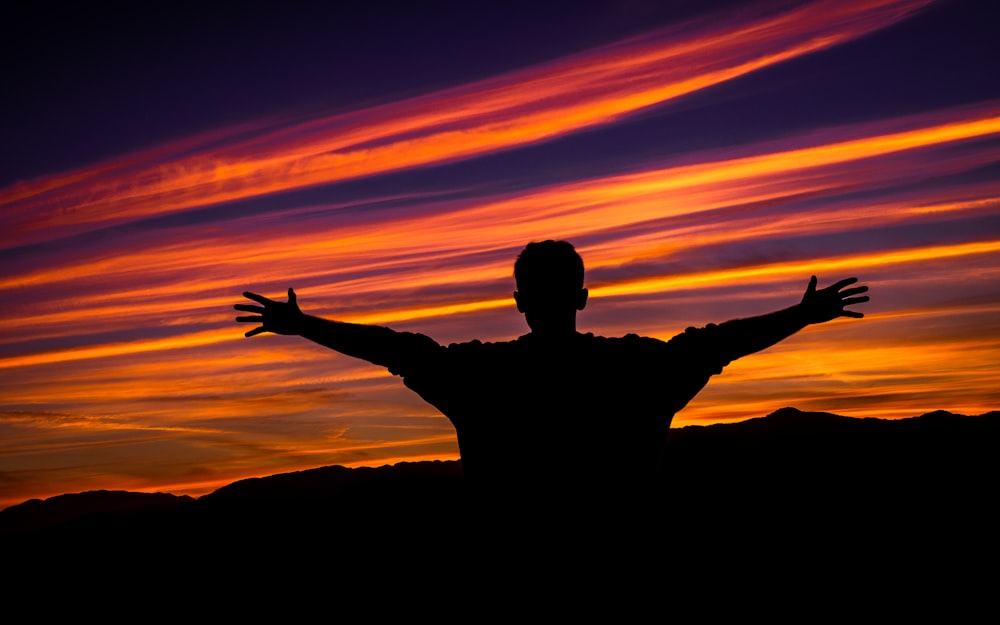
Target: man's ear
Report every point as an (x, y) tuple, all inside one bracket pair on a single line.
[(582, 299), (517, 299)]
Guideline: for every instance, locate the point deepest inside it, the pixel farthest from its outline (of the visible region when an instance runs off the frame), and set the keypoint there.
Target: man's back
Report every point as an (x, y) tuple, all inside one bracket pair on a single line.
[(540, 412)]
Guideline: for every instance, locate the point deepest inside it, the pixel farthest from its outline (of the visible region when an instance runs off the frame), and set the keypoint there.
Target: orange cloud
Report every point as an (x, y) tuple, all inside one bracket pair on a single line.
[(512, 110)]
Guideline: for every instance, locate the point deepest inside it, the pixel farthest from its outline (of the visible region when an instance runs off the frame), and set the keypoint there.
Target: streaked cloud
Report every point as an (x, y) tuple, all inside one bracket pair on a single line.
[(519, 108)]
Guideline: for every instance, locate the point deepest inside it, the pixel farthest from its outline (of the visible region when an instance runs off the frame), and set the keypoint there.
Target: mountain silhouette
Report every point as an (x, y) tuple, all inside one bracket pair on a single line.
[(811, 492), (938, 450)]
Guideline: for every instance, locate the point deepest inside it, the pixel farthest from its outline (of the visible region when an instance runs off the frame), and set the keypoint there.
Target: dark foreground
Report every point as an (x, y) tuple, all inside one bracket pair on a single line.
[(794, 504)]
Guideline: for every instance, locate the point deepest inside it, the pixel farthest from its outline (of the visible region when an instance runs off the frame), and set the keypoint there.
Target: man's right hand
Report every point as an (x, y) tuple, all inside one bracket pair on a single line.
[(273, 316)]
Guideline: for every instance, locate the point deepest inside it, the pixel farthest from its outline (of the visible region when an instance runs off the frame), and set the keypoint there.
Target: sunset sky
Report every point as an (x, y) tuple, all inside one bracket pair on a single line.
[(389, 163)]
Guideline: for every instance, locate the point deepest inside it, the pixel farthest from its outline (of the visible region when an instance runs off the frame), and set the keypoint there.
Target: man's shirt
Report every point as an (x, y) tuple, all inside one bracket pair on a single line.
[(559, 413)]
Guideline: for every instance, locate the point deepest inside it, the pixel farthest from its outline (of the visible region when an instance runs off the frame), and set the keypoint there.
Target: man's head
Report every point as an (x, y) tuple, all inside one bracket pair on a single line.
[(549, 277)]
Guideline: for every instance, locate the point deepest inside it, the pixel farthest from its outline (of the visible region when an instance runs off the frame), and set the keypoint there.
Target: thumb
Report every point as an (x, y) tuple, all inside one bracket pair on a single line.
[(810, 289), (291, 298)]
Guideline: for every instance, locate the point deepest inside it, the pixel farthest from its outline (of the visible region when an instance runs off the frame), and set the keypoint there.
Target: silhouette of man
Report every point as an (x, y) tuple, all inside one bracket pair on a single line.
[(558, 411)]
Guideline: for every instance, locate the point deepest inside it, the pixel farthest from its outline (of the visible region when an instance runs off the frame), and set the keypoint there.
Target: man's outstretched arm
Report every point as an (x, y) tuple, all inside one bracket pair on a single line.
[(746, 336), (376, 344)]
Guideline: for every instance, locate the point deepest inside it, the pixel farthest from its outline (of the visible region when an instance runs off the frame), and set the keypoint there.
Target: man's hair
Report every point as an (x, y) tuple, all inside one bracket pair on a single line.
[(548, 265)]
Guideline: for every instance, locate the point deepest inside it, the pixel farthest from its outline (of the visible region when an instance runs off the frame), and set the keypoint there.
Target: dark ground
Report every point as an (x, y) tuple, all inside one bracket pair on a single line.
[(801, 507)]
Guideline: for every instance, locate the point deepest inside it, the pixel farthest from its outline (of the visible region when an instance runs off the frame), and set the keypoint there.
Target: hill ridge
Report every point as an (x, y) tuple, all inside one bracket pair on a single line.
[(823, 432)]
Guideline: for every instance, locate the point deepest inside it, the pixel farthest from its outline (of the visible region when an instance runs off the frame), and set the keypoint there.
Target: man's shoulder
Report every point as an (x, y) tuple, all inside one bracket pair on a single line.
[(477, 346), (631, 337), (626, 341), (692, 338), (528, 342)]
